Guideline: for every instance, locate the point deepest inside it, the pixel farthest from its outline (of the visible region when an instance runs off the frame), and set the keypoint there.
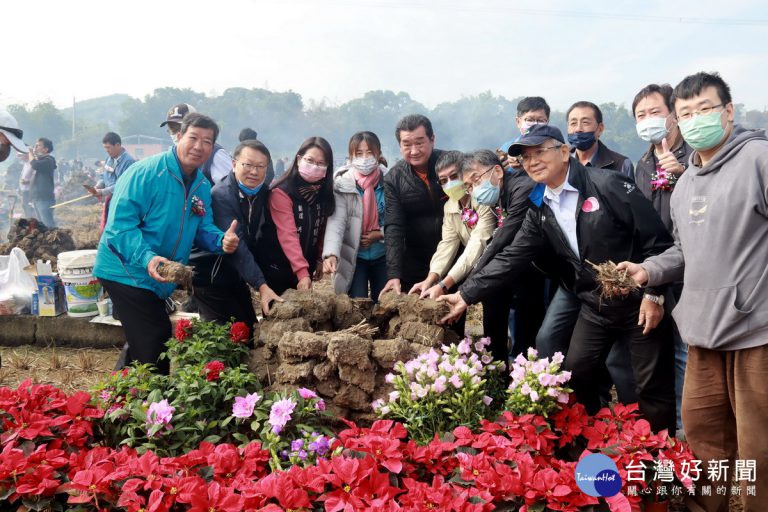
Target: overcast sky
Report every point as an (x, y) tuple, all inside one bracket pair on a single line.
[(336, 50)]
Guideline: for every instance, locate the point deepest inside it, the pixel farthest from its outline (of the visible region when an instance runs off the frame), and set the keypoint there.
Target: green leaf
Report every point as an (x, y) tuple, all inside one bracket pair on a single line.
[(241, 437), (212, 439)]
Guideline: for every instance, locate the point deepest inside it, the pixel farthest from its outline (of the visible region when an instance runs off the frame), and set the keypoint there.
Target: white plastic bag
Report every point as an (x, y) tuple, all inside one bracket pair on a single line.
[(16, 285)]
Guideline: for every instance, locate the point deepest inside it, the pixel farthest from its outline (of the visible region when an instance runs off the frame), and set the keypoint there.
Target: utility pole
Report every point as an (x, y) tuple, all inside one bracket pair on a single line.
[(74, 140)]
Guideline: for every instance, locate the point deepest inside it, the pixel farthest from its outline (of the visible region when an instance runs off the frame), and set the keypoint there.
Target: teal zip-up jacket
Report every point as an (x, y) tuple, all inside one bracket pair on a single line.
[(151, 214)]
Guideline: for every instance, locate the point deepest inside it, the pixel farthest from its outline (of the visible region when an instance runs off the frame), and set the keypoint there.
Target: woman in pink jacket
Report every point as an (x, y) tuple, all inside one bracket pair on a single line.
[(300, 202)]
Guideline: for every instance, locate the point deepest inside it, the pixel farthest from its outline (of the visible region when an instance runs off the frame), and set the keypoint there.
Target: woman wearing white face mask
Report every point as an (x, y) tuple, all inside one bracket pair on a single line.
[(300, 202), (354, 250)]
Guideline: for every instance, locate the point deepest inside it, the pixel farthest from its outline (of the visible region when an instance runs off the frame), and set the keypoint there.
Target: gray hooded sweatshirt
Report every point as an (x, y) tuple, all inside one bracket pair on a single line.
[(720, 216)]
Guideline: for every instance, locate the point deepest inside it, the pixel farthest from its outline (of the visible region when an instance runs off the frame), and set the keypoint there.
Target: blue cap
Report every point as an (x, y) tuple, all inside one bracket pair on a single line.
[(537, 135)]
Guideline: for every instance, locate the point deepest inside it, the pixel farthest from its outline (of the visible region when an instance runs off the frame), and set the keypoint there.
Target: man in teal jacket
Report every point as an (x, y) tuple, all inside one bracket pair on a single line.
[(160, 206)]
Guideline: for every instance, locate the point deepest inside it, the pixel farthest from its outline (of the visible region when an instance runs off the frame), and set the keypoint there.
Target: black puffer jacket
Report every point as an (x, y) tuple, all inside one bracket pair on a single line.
[(414, 220), (623, 226)]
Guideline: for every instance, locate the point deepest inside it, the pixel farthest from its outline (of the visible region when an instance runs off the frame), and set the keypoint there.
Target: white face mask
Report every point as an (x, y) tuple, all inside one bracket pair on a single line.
[(365, 165), (652, 129)]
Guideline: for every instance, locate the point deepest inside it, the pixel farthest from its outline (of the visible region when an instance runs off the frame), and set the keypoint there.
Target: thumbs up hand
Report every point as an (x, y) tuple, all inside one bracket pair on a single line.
[(230, 241), (668, 161)]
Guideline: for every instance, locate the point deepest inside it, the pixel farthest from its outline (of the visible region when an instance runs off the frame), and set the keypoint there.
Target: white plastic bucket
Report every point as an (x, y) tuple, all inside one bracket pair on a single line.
[(81, 288)]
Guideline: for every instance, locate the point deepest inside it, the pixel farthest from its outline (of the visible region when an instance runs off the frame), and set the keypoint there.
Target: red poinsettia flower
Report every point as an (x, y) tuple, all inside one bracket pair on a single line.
[(216, 497), (183, 329), (422, 496), (40, 482), (213, 370), (281, 487), (601, 435), (240, 332), (92, 482)]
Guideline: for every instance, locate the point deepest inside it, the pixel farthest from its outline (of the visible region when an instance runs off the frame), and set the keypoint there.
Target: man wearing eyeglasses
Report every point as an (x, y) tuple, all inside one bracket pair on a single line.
[(531, 111), (719, 211), (482, 170), (221, 282), (588, 216)]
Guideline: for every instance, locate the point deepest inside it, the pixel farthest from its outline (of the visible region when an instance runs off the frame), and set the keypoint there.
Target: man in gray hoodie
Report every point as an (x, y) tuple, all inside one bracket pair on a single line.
[(720, 216)]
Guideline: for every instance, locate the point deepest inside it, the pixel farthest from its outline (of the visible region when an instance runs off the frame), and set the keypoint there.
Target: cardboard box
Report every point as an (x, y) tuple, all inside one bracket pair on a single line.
[(50, 292)]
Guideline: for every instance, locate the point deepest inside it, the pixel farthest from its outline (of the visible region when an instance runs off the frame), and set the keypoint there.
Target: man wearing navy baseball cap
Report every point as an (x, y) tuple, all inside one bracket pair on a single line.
[(584, 216)]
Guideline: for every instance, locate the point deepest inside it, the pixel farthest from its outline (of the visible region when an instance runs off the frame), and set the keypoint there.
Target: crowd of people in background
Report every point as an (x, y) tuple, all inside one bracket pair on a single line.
[(515, 228)]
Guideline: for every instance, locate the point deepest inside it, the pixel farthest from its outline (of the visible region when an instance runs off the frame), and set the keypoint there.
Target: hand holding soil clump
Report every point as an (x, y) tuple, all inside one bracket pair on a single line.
[(614, 283), (177, 273)]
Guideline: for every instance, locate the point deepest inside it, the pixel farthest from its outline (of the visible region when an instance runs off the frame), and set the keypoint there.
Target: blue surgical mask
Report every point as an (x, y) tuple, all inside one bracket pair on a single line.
[(582, 140), (486, 193), (250, 191)]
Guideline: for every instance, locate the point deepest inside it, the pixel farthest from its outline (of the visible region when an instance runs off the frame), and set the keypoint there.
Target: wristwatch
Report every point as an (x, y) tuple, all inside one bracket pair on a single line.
[(442, 285), (658, 299)]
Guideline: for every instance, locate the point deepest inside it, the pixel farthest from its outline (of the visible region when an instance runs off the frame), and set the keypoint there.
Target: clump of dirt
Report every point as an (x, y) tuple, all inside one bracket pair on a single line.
[(38, 241), (614, 283), (177, 273), (343, 347)]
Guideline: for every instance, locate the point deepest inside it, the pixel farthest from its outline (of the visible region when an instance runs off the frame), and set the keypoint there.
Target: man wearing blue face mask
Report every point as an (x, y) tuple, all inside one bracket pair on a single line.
[(585, 126), (719, 210), (507, 193), (656, 174), (221, 282)]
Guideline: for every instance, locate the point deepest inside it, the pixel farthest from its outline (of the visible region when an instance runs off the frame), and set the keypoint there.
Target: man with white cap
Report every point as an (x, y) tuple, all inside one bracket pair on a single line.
[(220, 162), (10, 135)]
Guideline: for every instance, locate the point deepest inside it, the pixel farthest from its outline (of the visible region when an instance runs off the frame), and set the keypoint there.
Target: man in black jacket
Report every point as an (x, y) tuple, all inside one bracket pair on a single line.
[(221, 282), (656, 173), (413, 202), (592, 216), (511, 206), (585, 126), (41, 189)]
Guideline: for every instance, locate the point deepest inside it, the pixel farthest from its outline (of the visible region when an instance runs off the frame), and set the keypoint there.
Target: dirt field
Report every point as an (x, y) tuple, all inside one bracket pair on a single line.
[(70, 369)]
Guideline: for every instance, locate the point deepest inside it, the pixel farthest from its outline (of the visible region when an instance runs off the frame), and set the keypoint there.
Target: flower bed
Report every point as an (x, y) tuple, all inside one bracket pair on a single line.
[(56, 452)]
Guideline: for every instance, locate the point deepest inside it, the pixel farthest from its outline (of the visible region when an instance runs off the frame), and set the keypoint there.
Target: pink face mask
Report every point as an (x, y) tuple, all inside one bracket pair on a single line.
[(311, 172)]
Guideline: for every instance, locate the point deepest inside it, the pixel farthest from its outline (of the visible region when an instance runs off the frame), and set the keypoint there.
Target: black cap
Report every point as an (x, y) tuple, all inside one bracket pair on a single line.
[(537, 135), (177, 113)]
